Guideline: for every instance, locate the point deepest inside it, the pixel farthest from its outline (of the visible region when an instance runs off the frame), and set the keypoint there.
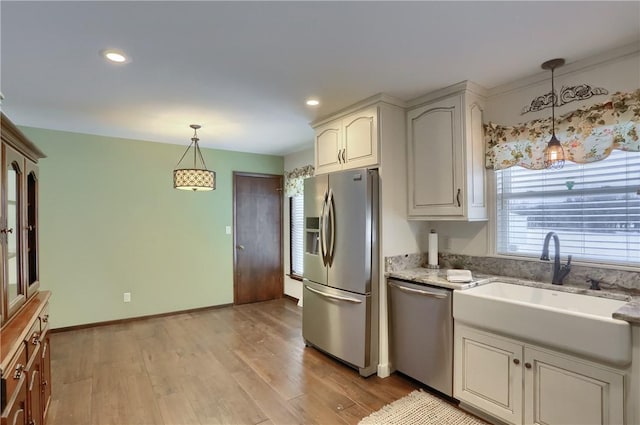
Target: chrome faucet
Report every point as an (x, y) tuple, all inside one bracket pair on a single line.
[(559, 272)]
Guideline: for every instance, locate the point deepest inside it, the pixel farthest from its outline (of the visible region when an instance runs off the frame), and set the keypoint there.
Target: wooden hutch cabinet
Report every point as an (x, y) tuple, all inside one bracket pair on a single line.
[(24, 312)]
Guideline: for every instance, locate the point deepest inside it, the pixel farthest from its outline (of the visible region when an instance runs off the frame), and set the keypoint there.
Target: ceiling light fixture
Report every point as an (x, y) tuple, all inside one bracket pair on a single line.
[(553, 154), (195, 179), (115, 56), (313, 102)]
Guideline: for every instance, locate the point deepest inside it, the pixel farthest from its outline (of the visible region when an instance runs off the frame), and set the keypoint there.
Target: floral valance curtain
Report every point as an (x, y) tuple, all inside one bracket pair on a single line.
[(587, 135), (293, 180)]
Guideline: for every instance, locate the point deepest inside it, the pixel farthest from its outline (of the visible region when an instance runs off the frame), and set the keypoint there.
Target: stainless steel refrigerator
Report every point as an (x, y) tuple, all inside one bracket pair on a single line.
[(340, 287)]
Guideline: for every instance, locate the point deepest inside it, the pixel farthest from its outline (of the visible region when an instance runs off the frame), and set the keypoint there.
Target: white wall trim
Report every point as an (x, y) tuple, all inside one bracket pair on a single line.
[(384, 370)]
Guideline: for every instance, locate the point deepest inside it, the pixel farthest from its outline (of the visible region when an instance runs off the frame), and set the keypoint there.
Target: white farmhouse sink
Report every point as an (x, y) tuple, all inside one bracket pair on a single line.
[(580, 324)]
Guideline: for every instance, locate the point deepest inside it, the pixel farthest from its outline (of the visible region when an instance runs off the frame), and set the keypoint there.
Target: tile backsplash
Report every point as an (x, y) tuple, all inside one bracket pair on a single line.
[(610, 279)]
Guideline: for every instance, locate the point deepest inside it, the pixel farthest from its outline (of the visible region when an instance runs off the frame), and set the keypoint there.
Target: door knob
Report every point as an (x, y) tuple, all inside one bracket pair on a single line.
[(240, 247)]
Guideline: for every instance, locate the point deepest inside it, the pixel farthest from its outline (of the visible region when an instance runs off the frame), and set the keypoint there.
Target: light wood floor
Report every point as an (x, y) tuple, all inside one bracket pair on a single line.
[(235, 365)]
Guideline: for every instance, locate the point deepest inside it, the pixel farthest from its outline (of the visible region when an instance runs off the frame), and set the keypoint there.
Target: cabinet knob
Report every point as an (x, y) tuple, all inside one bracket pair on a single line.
[(527, 365), (240, 247), (516, 361), (18, 373)]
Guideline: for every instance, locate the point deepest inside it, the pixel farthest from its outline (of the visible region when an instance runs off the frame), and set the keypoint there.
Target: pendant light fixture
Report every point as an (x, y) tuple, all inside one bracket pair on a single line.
[(553, 154), (195, 179)]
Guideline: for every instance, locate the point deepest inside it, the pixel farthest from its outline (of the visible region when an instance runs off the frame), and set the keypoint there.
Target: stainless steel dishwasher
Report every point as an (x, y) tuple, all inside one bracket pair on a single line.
[(421, 333)]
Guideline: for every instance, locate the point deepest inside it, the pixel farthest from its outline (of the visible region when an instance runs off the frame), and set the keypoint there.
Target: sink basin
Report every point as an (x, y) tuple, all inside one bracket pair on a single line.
[(576, 323)]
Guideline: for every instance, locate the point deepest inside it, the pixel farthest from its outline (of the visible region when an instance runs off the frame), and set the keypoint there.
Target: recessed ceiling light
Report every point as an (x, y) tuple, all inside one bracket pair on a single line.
[(313, 102), (115, 56)]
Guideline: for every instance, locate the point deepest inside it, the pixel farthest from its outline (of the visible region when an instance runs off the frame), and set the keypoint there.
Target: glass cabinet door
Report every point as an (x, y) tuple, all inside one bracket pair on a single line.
[(11, 231), (31, 228)]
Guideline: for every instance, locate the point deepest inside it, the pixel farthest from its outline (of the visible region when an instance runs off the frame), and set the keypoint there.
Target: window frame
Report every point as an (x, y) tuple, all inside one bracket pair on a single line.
[(492, 235), (292, 273)]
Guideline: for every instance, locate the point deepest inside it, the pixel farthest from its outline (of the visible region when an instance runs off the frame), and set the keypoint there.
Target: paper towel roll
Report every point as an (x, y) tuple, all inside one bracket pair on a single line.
[(433, 248)]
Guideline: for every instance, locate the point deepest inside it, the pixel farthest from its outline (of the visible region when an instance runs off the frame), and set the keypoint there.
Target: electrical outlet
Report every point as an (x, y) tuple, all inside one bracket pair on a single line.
[(127, 297), (227, 229)]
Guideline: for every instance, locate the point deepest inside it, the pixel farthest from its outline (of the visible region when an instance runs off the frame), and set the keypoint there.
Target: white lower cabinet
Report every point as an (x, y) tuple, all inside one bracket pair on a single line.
[(519, 383), (488, 373)]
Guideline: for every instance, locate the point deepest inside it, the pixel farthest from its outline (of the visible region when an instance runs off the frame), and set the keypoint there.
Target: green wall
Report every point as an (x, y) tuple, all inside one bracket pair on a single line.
[(111, 222)]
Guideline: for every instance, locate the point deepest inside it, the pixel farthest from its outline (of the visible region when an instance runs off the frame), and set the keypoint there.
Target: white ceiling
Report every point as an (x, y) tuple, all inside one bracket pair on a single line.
[(243, 69)]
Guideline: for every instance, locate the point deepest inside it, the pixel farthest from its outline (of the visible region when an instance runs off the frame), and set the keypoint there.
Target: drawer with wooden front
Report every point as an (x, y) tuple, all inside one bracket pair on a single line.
[(12, 379)]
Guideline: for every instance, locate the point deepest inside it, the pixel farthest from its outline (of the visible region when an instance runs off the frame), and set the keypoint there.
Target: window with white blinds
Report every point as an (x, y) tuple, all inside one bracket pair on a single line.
[(594, 208), (296, 212)]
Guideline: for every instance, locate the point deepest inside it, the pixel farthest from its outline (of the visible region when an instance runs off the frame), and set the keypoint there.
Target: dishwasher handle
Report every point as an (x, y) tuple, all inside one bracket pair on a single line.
[(422, 292)]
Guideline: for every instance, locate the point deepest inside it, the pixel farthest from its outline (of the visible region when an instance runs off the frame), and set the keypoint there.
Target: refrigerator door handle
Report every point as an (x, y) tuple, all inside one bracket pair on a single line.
[(418, 291), (323, 232), (334, 297), (332, 229)]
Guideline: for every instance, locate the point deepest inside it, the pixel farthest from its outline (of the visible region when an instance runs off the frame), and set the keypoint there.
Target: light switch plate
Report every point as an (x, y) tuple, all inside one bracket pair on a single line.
[(127, 297), (228, 230)]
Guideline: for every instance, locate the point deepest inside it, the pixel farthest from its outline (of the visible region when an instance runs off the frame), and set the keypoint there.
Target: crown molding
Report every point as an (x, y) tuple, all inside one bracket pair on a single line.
[(582, 65), (369, 101)]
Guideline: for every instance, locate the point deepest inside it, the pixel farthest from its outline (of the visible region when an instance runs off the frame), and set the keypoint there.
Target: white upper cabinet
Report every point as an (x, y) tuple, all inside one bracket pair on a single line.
[(445, 156), (348, 142), (328, 148)]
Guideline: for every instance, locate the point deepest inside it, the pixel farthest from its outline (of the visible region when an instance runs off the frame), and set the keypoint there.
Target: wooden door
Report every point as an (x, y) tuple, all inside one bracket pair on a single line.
[(257, 222), (34, 386), (46, 375), (15, 413)]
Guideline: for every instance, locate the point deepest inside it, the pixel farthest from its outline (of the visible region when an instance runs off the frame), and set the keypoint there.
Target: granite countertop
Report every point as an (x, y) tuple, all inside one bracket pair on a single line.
[(629, 312), (438, 277)]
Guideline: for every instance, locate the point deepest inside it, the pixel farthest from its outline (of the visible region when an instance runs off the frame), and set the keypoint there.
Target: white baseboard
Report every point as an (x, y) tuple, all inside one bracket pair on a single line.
[(384, 370)]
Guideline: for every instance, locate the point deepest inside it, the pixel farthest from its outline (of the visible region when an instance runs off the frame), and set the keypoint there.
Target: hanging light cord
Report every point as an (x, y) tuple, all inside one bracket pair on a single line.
[(196, 151), (553, 105)]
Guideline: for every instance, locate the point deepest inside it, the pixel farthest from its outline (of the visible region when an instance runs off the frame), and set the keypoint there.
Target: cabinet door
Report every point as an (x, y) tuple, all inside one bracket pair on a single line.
[(30, 229), (328, 148), (488, 374), (34, 383), (360, 139), (11, 238), (435, 159), (16, 411), (46, 375), (563, 390)]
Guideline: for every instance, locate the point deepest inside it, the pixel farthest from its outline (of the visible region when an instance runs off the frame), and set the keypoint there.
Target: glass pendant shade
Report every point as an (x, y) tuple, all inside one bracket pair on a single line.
[(197, 178), (553, 154)]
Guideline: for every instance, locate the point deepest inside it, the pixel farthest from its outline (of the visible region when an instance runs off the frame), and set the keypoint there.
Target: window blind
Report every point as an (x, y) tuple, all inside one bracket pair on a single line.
[(594, 208), (296, 212)]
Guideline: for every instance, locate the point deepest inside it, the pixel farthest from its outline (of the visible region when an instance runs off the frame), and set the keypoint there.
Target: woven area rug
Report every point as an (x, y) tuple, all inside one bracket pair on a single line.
[(420, 408)]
